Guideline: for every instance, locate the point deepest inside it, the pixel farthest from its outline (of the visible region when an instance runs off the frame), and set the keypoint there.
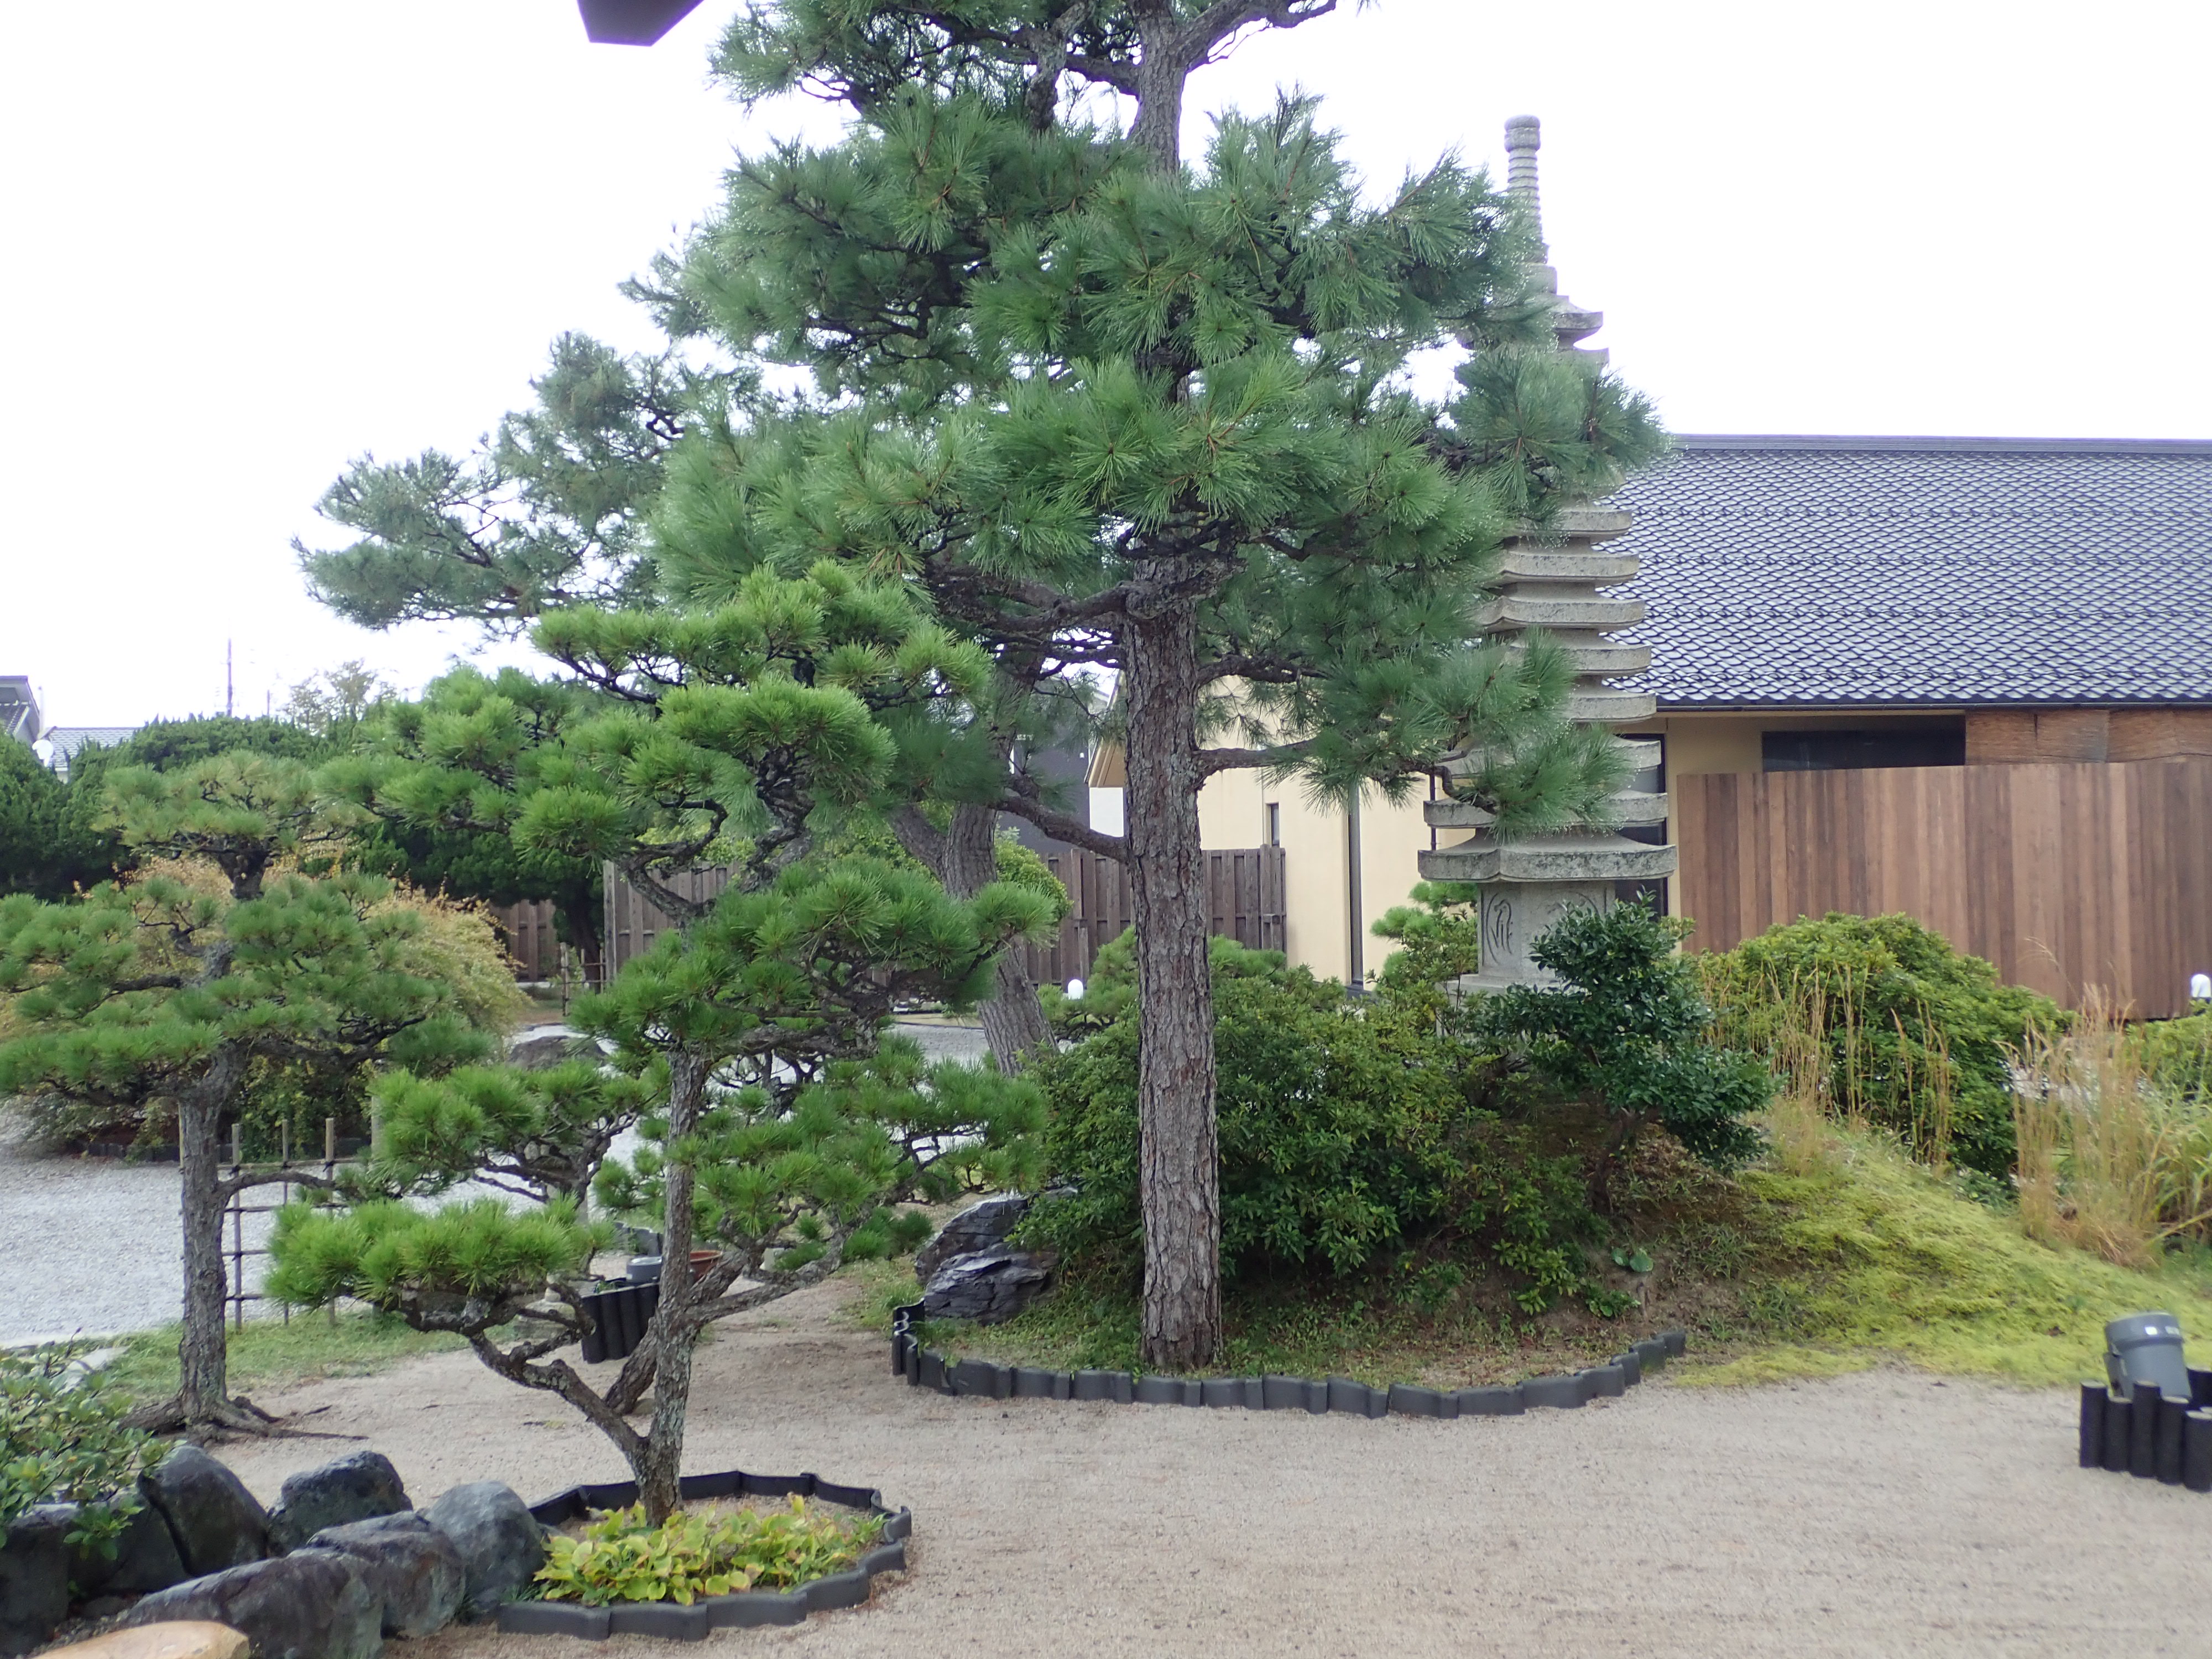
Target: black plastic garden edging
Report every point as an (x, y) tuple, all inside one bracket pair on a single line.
[(713, 1612), (925, 1368), (2151, 1435)]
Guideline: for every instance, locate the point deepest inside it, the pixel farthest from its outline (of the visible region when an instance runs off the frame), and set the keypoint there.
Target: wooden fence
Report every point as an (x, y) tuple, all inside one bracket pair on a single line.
[(1244, 893), (2065, 876)]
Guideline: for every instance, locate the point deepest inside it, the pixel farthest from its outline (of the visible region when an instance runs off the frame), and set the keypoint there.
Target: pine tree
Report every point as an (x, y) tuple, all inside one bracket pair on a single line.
[(546, 514), (162, 996), (752, 733), (1112, 411)]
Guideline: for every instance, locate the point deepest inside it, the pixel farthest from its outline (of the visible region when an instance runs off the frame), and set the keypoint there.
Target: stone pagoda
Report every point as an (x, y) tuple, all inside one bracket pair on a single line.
[(1557, 581)]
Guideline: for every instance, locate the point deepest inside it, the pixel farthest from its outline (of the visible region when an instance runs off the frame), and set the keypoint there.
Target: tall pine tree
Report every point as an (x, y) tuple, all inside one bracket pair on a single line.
[(1114, 411)]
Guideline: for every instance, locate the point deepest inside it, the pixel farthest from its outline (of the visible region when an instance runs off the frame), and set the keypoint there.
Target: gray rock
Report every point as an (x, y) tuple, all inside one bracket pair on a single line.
[(311, 1604), (500, 1542), (145, 1560), (34, 1575), (979, 1227), (415, 1569), (541, 1053), (356, 1488), (988, 1287), (216, 1522)]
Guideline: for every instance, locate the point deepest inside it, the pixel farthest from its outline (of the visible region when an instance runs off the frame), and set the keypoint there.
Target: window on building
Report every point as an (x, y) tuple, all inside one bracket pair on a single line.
[(1274, 824), (1929, 742)]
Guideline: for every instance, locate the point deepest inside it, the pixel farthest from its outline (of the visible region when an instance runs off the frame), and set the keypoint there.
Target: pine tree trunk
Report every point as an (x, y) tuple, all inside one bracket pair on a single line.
[(662, 1459), (1179, 1156), (1013, 1020), (203, 1358)]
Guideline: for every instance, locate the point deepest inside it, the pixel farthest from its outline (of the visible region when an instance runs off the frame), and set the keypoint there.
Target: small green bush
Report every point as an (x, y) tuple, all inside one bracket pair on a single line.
[(621, 1558), (2177, 1053), (1919, 1037), (63, 1439), (1626, 1033)]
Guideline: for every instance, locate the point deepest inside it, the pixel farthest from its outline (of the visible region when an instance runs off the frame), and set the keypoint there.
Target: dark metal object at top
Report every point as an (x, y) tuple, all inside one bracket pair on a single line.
[(2144, 1350), (632, 22)]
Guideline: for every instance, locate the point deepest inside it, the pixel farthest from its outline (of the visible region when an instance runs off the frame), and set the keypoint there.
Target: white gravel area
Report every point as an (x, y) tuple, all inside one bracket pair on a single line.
[(93, 1245), (1883, 1514)]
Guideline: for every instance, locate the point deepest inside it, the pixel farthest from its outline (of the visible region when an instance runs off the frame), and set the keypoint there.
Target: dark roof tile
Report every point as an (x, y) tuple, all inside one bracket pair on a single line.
[(1825, 571)]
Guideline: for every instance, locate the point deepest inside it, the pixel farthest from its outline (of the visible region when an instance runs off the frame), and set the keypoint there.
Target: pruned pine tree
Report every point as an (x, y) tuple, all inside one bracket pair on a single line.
[(1114, 412), (161, 996), (546, 513), (789, 1132), (444, 776)]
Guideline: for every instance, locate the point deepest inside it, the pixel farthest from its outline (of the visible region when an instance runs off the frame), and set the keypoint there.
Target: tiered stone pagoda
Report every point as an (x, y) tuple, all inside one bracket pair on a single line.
[(1556, 581)]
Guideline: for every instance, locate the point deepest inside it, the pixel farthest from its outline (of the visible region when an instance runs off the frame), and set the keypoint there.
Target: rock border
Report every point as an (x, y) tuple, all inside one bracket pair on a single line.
[(745, 1610), (2151, 1436), (925, 1368)]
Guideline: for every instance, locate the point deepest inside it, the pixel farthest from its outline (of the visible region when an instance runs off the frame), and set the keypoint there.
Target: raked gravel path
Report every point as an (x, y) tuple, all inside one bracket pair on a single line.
[(1883, 1514), (93, 1245)]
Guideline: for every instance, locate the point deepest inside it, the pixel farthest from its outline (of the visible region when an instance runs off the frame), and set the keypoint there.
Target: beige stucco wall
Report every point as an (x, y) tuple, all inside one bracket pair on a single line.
[(1316, 841)]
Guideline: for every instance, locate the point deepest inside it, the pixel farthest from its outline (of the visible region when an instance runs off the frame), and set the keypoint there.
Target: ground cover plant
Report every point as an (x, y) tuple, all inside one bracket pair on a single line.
[(64, 1438), (620, 1555)]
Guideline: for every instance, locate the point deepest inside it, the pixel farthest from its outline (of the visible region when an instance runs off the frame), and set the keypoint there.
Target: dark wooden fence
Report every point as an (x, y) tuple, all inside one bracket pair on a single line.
[(2065, 876), (1244, 895)]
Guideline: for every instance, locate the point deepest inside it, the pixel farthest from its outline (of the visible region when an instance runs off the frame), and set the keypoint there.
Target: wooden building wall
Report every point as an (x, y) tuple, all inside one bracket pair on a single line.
[(2065, 875), (1244, 893)]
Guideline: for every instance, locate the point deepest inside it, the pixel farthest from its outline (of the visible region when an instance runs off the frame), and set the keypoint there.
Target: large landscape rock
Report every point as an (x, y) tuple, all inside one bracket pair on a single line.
[(216, 1522), (311, 1604), (416, 1569), (979, 1227), (356, 1488), (145, 1560), (989, 1286), (35, 1562), (540, 1053), (500, 1542)]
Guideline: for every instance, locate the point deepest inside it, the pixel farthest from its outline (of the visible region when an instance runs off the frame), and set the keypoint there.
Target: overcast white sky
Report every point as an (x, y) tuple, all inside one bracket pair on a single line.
[(241, 243)]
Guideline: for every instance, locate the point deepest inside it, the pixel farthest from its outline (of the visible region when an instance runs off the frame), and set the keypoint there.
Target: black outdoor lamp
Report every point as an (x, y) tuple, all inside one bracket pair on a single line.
[(632, 22)]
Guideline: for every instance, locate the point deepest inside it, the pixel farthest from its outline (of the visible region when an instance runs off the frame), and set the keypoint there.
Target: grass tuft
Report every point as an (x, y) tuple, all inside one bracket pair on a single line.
[(271, 1354)]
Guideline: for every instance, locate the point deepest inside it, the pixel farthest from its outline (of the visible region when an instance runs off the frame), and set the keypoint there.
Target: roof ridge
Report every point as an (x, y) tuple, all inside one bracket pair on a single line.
[(1989, 446)]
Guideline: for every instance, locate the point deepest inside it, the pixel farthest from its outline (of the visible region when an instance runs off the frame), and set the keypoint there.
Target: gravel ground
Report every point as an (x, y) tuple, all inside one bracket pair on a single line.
[(93, 1243), (1886, 1514)]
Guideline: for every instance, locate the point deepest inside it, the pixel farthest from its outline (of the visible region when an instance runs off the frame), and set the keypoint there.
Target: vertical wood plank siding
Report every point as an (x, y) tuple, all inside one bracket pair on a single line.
[(2065, 876), (1245, 893), (526, 930)]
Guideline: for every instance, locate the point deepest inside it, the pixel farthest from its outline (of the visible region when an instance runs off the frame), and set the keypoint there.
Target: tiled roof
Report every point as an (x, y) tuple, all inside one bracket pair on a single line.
[(67, 739), (1849, 571)]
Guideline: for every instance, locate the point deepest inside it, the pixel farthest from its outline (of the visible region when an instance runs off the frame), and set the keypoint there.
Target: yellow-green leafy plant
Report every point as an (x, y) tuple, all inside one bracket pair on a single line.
[(622, 1556)]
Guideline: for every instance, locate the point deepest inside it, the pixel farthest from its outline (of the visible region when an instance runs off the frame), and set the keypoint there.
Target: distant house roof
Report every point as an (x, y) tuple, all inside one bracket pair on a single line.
[(67, 739), (19, 709), (1820, 572)]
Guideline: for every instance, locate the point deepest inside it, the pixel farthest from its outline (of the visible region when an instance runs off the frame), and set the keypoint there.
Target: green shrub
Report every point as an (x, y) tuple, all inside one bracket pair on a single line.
[(63, 1439), (1626, 1033), (1347, 1131), (621, 1558), (1439, 937), (2177, 1055), (1917, 1037)]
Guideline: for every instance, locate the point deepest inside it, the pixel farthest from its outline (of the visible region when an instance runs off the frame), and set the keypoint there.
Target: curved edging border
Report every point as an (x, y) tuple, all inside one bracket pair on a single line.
[(925, 1368), (712, 1613)]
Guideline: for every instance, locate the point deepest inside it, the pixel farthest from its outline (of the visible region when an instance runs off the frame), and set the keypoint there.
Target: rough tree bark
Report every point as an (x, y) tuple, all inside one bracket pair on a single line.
[(660, 1462), (964, 857), (202, 1359), (1180, 1172)]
